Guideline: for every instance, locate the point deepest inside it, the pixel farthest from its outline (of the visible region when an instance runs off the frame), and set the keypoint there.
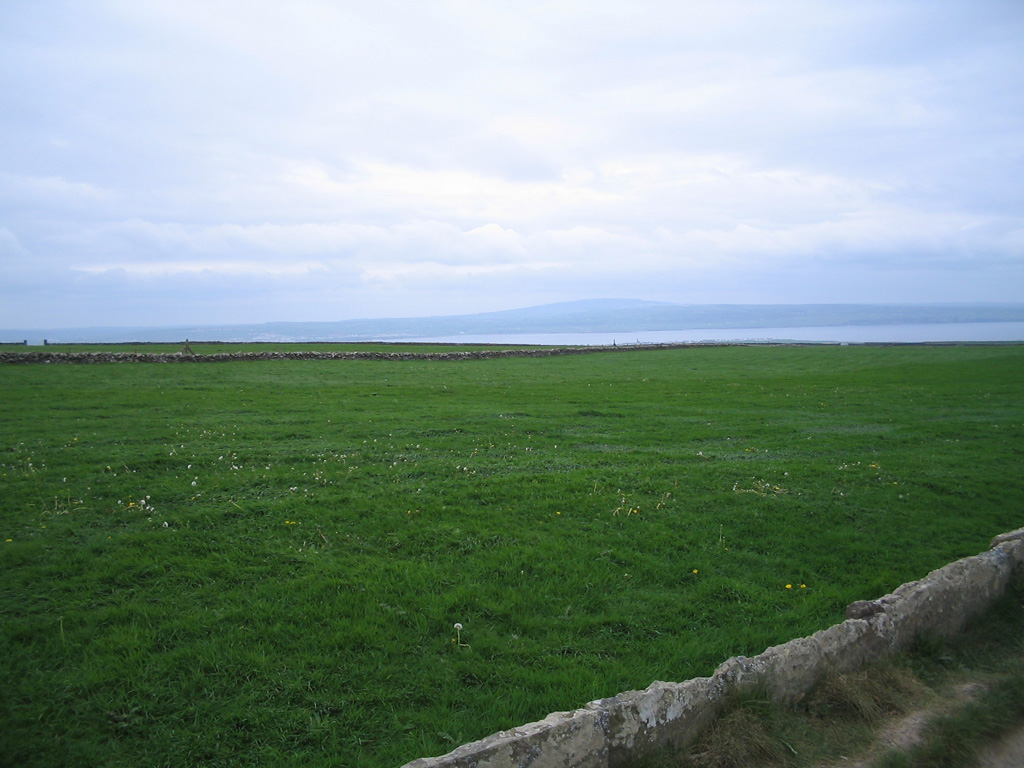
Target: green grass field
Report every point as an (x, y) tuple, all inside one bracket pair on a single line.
[(261, 563)]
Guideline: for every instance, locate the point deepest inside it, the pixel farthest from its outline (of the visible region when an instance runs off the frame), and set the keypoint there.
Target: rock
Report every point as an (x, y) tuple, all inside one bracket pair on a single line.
[(862, 609)]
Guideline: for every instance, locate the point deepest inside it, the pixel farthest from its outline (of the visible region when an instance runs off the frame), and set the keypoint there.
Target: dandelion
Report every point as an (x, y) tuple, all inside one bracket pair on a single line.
[(695, 571), (803, 586), (458, 632), (789, 586)]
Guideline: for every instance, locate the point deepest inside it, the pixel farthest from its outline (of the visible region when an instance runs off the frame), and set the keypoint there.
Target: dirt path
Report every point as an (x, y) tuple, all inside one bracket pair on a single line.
[(908, 731), (1008, 752)]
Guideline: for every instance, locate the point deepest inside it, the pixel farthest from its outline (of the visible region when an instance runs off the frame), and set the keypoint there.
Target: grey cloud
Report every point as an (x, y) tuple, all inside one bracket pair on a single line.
[(476, 154)]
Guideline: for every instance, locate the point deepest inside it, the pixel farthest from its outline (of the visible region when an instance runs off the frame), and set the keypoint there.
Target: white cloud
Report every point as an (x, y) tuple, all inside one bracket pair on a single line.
[(10, 246), (433, 272), (20, 190), (152, 269)]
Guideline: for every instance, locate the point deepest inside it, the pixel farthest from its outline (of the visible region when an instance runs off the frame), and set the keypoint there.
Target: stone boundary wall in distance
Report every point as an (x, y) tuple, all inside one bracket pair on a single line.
[(25, 358), (614, 732), (220, 357)]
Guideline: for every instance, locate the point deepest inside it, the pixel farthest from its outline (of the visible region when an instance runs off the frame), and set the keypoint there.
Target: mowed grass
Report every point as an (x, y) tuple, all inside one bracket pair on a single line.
[(261, 563)]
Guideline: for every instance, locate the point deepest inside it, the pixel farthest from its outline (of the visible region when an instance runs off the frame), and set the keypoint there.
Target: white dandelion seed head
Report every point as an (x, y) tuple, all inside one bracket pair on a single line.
[(458, 626)]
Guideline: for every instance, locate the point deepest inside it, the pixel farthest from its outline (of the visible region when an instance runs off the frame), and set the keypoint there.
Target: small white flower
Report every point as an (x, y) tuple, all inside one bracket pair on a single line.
[(458, 627)]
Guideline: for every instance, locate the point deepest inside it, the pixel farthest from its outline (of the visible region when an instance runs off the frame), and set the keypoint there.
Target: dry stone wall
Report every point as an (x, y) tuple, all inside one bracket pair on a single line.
[(615, 732), (220, 357)]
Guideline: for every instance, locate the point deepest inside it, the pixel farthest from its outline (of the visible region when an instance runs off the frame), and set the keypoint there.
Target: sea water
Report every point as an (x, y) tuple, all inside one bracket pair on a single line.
[(848, 334)]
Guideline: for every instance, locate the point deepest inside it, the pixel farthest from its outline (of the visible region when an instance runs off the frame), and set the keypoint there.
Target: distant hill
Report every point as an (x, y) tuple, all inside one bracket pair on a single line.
[(587, 316)]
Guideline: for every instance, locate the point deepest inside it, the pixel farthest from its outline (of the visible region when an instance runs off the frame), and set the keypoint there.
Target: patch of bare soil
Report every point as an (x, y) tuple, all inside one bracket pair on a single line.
[(905, 732), (1008, 752)]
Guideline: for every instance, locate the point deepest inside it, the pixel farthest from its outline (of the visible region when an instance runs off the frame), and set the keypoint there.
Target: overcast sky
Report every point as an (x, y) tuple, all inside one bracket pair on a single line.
[(172, 162)]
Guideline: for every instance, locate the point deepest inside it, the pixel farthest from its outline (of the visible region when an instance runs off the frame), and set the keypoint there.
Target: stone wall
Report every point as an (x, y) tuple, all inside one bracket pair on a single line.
[(614, 732), (220, 357)]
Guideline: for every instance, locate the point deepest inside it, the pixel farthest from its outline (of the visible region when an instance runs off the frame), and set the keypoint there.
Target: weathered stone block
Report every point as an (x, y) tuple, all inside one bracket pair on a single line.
[(663, 714), (561, 740)]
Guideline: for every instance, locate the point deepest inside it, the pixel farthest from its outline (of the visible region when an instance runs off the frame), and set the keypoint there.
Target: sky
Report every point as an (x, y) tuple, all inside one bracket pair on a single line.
[(174, 162)]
